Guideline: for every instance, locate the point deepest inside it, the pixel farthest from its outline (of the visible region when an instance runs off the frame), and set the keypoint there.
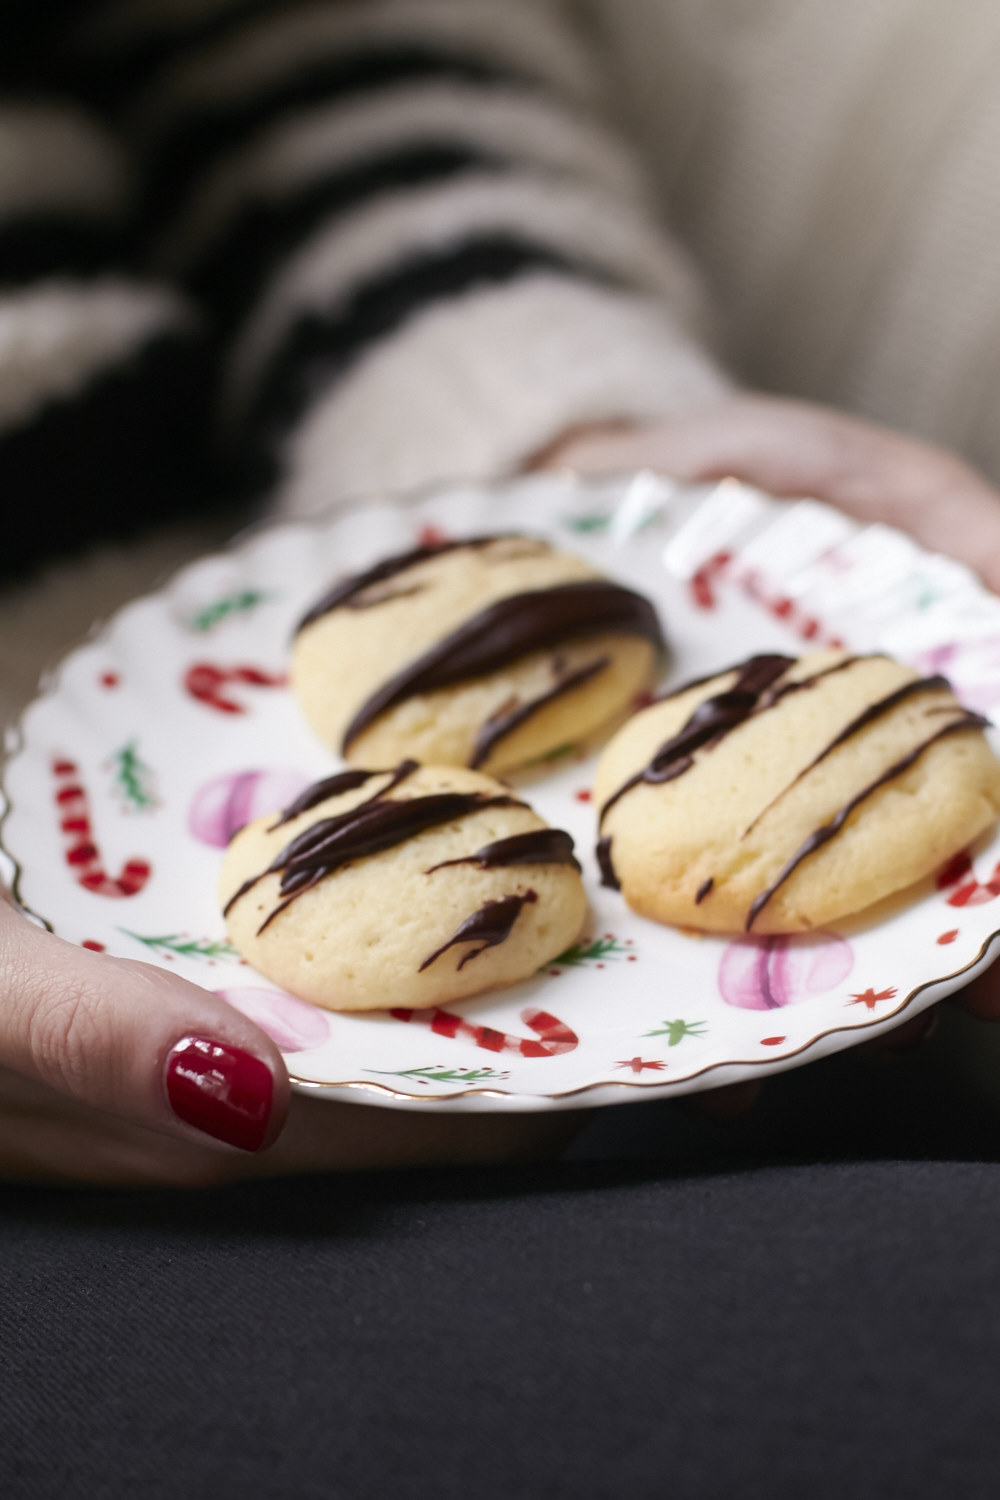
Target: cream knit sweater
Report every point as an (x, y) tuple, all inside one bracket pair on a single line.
[(834, 168), (831, 170)]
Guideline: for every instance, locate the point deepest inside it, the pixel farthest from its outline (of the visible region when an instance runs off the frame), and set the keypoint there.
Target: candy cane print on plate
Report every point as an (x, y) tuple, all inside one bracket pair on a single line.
[(230, 745), (555, 1036), (970, 891), (80, 849), (207, 683)]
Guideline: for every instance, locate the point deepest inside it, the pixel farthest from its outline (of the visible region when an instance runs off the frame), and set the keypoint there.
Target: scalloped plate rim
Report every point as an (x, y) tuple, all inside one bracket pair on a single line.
[(598, 1093)]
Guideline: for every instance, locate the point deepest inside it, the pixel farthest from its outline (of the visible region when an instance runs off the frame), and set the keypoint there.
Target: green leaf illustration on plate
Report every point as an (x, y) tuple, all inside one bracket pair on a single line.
[(133, 779), (559, 753), (444, 1075), (223, 609), (183, 946), (592, 522), (597, 522), (590, 953), (676, 1031)]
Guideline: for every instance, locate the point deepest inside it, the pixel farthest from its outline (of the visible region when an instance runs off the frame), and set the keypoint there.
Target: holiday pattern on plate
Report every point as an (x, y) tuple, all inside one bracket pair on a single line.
[(161, 737)]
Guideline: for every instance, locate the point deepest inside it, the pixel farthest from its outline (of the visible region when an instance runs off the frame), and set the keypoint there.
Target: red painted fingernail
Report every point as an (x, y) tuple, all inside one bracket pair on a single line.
[(221, 1090)]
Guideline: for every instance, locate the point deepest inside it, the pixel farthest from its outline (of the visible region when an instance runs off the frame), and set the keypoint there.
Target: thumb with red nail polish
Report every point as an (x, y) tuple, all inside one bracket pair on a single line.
[(126, 1052), (220, 1089)]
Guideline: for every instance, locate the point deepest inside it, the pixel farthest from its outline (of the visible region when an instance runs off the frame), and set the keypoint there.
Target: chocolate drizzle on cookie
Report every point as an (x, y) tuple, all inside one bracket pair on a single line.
[(333, 786), (540, 846), (823, 835), (384, 596), (512, 714), (609, 877), (873, 712), (510, 628), (877, 710), (758, 687), (711, 721), (350, 592), (373, 825), (491, 925)]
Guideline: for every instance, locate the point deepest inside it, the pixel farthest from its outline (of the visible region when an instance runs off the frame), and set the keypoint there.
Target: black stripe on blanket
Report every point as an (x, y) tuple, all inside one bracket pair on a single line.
[(56, 245), (32, 44), (200, 137), (108, 70), (229, 276), (320, 346), (126, 450)]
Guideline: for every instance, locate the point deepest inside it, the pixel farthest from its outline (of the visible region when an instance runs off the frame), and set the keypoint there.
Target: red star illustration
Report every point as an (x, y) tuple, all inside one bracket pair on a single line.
[(870, 998), (637, 1064)]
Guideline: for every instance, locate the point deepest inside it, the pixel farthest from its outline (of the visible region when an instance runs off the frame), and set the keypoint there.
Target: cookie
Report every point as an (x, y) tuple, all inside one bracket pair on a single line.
[(783, 795), (493, 652), (413, 887)]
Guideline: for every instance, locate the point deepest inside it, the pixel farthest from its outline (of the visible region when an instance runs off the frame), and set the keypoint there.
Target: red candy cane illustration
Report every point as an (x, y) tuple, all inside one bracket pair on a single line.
[(205, 682), (556, 1036), (805, 625), (703, 583), (431, 536), (971, 892), (82, 854)]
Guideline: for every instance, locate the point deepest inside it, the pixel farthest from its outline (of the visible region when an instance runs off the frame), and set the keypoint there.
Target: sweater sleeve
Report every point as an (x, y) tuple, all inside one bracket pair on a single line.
[(427, 251), (102, 394)]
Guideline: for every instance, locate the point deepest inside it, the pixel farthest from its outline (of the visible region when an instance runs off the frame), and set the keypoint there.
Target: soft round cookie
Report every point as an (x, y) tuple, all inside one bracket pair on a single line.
[(412, 887), (783, 794), (492, 652)]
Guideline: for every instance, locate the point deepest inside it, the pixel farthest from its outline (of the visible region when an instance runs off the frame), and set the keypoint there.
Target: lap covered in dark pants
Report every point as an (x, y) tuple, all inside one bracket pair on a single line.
[(795, 1305)]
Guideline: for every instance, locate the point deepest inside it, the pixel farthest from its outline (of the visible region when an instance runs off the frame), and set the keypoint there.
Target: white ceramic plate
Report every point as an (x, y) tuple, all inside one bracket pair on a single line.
[(157, 738)]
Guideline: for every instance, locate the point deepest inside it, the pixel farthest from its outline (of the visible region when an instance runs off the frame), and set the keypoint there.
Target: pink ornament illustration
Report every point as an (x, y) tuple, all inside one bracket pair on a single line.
[(291, 1023), (227, 803), (770, 972), (972, 667)]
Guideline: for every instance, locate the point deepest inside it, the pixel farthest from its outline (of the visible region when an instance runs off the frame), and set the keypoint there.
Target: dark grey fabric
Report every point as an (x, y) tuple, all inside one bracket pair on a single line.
[(565, 1331)]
